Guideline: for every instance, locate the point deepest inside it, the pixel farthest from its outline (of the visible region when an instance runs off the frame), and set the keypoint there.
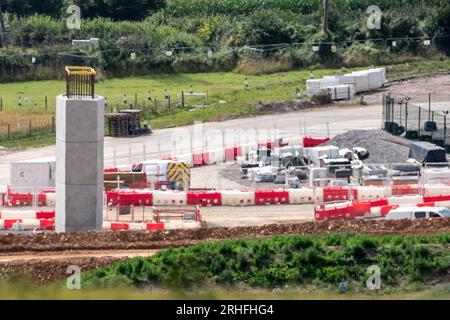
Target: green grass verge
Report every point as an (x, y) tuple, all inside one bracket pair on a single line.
[(227, 97), (406, 262)]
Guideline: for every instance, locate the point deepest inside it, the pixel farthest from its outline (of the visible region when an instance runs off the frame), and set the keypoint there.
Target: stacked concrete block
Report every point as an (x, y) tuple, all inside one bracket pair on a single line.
[(79, 164)]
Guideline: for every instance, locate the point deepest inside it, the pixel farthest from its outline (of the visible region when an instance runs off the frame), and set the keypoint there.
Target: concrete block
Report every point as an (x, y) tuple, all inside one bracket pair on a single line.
[(80, 120), (83, 163), (78, 207)]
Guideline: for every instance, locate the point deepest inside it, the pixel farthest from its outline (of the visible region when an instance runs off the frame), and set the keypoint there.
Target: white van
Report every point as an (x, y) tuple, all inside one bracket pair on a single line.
[(418, 213)]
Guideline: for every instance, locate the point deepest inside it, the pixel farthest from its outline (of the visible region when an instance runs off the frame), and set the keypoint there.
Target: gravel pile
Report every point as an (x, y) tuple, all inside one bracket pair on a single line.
[(381, 151)]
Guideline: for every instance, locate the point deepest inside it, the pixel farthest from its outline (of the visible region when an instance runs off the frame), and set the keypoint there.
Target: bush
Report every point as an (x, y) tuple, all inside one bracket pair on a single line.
[(285, 260)]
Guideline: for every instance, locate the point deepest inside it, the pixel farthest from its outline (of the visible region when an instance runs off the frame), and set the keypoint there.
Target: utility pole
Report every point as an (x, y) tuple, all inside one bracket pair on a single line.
[(326, 11), (2, 25)]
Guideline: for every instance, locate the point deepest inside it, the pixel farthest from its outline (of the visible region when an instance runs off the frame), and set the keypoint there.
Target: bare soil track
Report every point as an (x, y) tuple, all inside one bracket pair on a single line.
[(45, 257)]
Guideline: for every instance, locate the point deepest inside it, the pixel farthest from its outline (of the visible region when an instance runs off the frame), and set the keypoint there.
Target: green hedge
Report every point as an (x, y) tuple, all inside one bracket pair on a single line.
[(287, 260)]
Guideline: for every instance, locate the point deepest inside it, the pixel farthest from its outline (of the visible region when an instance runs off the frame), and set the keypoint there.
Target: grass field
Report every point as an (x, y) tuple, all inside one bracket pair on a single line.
[(227, 96)]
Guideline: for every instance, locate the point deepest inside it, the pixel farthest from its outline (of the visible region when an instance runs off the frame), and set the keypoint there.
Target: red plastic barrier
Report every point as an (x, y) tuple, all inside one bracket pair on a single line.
[(111, 170), (204, 198), (47, 224), (231, 154), (119, 226), (42, 199), (338, 194), (20, 199), (311, 142), (129, 197), (112, 197), (155, 226), (404, 190), (263, 197), (379, 203), (427, 204), (360, 208), (9, 223), (345, 213), (135, 199), (436, 198), (200, 159), (45, 215)]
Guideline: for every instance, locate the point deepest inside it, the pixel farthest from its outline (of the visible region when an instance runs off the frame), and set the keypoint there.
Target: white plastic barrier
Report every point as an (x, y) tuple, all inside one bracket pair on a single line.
[(412, 200), (318, 194), (238, 198), (169, 198), (432, 190), (436, 176), (301, 196), (216, 156), (371, 193), (445, 204), (51, 199), (10, 215)]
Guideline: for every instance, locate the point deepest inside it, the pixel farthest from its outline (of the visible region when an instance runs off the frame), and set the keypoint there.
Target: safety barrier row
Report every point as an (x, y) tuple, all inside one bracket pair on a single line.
[(8, 215), (118, 226), (147, 197), (27, 224)]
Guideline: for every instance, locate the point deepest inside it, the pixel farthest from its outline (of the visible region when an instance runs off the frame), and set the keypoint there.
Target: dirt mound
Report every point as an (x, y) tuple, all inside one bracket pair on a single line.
[(126, 240), (376, 142)]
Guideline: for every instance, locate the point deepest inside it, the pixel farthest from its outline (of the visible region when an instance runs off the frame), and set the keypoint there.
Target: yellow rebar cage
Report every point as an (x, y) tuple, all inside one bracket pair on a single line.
[(80, 82)]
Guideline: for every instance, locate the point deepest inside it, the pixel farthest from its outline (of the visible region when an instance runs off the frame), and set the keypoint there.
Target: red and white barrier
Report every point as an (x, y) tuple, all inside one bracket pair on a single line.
[(118, 226), (9, 215), (26, 224)]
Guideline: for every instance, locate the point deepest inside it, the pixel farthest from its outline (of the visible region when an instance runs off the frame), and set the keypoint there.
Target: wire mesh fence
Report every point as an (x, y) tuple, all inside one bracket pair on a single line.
[(402, 118)]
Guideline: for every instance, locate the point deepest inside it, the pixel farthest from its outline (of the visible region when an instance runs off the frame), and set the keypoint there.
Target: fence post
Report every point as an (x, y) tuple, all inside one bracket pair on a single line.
[(445, 130), (135, 100), (29, 128), (155, 105), (182, 99), (46, 103), (406, 116), (1, 104), (168, 100), (9, 131), (53, 124), (419, 124)]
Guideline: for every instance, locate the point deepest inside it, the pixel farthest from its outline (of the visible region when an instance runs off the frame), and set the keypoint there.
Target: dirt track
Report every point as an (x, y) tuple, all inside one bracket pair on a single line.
[(45, 257)]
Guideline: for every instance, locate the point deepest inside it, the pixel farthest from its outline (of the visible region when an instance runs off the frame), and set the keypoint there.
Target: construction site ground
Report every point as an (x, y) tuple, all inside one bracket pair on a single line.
[(45, 257)]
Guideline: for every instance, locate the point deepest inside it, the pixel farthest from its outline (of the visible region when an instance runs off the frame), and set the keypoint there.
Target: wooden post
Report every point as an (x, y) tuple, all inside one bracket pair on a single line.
[(135, 100), (182, 99), (46, 103), (168, 101), (53, 124), (9, 131), (1, 104), (29, 128), (155, 105)]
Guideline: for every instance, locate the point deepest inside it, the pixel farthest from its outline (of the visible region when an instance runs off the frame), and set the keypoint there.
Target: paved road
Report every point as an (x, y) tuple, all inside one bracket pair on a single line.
[(120, 151)]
